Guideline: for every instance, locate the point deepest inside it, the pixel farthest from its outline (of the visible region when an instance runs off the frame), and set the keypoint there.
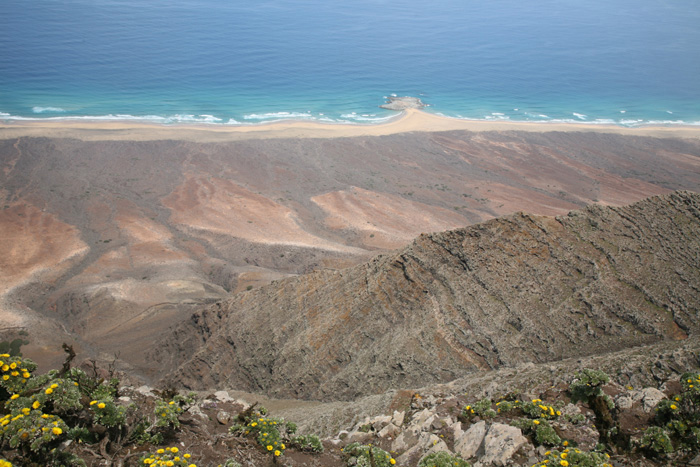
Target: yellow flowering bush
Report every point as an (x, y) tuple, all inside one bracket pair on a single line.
[(537, 409), (167, 412), (107, 413), (574, 458), (15, 372), (167, 457), (31, 431), (540, 430), (275, 435), (482, 408), (678, 420)]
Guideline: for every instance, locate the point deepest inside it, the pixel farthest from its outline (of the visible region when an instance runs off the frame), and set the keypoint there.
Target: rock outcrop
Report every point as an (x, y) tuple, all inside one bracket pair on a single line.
[(508, 291), (402, 103)]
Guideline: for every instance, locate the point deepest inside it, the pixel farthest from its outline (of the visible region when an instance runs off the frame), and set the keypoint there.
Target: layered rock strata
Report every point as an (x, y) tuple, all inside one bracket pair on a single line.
[(517, 289)]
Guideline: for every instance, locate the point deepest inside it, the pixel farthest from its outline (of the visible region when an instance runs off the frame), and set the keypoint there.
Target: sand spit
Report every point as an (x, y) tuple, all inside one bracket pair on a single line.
[(408, 120)]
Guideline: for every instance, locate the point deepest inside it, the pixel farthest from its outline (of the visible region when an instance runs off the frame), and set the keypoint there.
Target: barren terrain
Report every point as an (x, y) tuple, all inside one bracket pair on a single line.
[(107, 241)]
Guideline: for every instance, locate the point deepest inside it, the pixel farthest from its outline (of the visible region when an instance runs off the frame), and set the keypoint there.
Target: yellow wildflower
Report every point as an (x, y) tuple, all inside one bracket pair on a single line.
[(93, 402), (49, 391), (536, 422), (13, 365), (277, 453), (174, 450), (101, 405), (392, 461), (56, 431), (564, 464), (14, 396), (269, 447)]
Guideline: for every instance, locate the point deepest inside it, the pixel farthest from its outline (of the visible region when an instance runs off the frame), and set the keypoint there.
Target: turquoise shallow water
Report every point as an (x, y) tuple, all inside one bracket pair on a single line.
[(624, 62)]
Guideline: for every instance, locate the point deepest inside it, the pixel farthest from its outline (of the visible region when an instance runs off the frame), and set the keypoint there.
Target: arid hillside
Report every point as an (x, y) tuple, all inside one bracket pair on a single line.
[(102, 242), (517, 289)]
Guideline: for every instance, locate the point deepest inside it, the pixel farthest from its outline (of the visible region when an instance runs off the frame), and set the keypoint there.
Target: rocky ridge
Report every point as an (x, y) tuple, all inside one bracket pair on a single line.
[(505, 292)]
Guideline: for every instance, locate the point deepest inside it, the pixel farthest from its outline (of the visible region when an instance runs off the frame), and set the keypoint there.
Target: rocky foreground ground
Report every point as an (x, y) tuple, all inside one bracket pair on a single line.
[(519, 416)]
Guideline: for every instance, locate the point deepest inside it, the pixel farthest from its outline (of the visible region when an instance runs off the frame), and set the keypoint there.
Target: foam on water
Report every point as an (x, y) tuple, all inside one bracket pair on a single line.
[(39, 110), (279, 116)]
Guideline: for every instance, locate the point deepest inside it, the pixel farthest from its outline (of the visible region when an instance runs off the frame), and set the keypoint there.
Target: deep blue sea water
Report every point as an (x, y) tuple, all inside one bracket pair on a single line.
[(628, 62)]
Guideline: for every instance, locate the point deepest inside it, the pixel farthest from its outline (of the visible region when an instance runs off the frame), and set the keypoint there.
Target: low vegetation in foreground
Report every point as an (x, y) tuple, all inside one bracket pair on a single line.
[(76, 417)]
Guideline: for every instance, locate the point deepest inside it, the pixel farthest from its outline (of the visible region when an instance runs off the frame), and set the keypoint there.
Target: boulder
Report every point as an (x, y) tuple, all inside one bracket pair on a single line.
[(223, 417), (467, 443), (500, 443), (650, 398)]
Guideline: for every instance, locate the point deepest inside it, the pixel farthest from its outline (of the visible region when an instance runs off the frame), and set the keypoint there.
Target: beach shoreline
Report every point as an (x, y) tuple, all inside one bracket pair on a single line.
[(410, 120)]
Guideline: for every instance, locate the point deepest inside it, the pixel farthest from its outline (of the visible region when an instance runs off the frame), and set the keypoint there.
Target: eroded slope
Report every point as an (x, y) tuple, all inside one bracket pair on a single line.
[(516, 289)]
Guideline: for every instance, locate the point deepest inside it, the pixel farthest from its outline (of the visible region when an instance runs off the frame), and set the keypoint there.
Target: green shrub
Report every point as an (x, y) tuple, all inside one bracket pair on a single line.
[(536, 409), (679, 417), (107, 413), (656, 441), (167, 412), (574, 458), (482, 409), (588, 384), (540, 430), (363, 455), (265, 430), (310, 443), (442, 459)]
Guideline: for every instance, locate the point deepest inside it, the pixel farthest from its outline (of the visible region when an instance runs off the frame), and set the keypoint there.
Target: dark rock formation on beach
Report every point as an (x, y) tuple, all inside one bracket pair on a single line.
[(402, 103), (517, 289)]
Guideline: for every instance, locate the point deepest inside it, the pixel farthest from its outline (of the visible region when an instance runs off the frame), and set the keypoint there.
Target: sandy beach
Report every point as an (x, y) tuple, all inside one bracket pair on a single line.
[(407, 121)]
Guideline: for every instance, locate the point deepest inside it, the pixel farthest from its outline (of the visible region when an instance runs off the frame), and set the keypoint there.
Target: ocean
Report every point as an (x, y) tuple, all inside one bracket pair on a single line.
[(626, 62)]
